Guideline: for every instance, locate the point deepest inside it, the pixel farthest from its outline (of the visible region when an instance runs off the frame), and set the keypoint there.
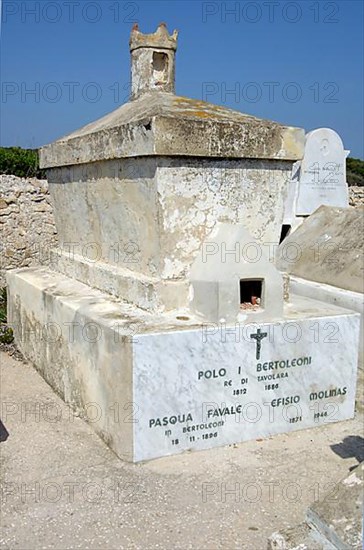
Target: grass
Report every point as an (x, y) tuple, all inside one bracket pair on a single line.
[(6, 333)]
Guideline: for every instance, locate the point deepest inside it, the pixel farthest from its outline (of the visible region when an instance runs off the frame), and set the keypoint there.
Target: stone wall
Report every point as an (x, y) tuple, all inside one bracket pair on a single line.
[(27, 230), (356, 196)]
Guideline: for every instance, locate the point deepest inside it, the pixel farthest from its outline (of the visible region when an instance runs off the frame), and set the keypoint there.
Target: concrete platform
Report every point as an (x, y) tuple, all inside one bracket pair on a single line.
[(333, 522), (156, 385), (331, 295), (339, 515), (299, 538)]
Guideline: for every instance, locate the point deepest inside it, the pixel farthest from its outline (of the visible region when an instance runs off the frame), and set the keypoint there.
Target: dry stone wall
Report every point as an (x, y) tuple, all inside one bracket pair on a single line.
[(27, 229), (356, 196)]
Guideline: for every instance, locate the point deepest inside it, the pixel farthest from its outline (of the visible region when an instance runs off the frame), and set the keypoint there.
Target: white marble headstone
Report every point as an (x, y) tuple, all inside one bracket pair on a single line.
[(202, 388), (323, 172)]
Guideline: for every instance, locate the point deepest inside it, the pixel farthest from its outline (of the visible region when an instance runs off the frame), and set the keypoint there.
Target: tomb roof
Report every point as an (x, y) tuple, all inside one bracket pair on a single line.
[(157, 122)]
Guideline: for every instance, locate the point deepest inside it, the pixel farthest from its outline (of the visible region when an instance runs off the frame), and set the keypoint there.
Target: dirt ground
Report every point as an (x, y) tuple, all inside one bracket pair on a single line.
[(62, 488)]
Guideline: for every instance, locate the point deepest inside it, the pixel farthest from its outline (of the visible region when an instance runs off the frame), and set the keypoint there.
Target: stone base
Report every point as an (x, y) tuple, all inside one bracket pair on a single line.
[(336, 521), (156, 385), (299, 538), (331, 295), (339, 516), (149, 293)]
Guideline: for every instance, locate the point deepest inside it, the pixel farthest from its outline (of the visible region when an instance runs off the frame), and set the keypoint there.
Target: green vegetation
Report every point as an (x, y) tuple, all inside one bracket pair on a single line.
[(6, 333), (3, 305), (23, 163), (355, 171)]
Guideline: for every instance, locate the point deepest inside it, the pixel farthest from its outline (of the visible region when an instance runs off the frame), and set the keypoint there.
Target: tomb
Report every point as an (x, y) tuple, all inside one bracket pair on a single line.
[(162, 319), (328, 261)]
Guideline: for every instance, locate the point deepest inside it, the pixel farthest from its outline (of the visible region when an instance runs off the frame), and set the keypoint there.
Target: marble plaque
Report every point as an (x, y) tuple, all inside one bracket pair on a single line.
[(323, 172), (218, 385)]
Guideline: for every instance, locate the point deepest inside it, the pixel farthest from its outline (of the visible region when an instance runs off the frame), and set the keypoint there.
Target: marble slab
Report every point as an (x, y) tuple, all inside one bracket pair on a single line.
[(218, 385), (166, 383), (323, 172)]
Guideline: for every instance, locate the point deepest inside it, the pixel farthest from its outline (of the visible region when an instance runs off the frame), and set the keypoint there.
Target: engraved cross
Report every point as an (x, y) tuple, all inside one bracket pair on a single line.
[(258, 337)]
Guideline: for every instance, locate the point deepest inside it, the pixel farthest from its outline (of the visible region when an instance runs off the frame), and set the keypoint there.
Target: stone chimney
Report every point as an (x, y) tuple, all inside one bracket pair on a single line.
[(152, 61)]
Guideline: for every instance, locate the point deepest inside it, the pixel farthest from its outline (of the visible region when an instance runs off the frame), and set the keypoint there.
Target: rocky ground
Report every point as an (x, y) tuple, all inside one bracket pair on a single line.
[(62, 488)]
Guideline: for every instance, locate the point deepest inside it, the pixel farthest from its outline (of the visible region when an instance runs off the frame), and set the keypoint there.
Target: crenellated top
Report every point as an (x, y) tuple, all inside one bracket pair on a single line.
[(152, 61), (159, 39)]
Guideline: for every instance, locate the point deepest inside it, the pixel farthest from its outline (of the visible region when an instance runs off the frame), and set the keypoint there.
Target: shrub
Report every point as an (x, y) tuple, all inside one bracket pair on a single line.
[(355, 171), (6, 333), (3, 298), (23, 163)]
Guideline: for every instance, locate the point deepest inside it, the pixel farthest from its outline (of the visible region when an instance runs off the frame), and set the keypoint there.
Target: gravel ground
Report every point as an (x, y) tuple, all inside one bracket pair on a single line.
[(62, 488)]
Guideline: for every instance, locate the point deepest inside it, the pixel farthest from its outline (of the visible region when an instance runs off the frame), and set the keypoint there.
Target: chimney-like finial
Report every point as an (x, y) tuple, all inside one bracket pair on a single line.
[(152, 61)]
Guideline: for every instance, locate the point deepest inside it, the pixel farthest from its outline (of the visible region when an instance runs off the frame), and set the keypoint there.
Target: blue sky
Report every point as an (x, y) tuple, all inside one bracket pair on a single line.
[(66, 62)]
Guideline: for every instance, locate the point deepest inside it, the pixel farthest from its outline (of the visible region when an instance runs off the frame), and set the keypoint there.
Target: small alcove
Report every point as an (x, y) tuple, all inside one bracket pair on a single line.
[(160, 67), (251, 292), (232, 288)]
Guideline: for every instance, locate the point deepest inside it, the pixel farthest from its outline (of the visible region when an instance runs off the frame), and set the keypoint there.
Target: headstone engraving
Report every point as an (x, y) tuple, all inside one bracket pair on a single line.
[(259, 337), (208, 387)]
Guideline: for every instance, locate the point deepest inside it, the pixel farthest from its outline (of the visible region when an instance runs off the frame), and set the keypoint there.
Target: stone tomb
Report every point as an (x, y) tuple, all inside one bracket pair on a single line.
[(327, 261), (155, 385), (190, 379), (174, 333), (322, 178)]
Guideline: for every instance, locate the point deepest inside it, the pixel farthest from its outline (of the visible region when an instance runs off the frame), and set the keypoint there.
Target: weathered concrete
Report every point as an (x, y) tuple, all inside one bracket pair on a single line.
[(339, 516), (145, 292), (150, 216), (152, 61), (229, 256), (163, 124), (331, 295), (333, 522), (81, 342), (196, 194), (89, 348), (142, 188), (327, 248)]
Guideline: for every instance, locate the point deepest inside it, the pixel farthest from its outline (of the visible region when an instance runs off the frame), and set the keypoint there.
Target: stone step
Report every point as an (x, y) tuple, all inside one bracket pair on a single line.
[(332, 523), (301, 537), (338, 517)]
